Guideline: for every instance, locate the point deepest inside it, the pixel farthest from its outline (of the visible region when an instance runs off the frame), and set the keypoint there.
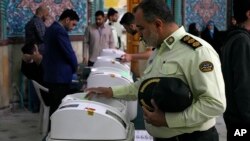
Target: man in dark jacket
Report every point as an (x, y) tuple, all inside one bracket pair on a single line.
[(59, 62), (236, 70), (33, 53), (35, 28)]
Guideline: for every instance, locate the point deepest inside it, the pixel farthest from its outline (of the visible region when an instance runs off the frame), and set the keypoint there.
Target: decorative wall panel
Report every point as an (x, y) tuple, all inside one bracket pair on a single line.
[(202, 11), (3, 6), (19, 13)]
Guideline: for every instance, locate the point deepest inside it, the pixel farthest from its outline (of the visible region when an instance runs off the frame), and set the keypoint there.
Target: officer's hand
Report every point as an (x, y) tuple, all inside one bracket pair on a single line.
[(156, 118), (126, 58), (99, 91)]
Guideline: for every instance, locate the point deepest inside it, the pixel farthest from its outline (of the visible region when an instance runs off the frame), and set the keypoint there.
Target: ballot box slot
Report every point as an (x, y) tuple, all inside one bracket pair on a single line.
[(69, 106), (117, 118)]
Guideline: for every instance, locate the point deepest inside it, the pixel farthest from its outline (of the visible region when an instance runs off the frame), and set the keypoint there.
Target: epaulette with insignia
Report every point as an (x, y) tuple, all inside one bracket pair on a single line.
[(191, 41)]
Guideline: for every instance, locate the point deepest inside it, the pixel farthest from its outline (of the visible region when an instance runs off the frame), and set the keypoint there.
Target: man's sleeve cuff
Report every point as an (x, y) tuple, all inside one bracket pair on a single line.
[(118, 91)]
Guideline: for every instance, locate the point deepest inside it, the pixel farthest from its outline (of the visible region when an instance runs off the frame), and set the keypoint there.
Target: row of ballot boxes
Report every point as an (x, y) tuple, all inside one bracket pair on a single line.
[(97, 119)]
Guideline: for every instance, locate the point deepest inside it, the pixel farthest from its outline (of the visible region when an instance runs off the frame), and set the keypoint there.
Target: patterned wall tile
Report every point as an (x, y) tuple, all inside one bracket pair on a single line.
[(201, 11), (19, 13)]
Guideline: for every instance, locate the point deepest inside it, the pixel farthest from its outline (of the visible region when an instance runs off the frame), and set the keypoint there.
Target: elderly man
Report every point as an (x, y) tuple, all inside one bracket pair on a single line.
[(35, 28), (33, 51)]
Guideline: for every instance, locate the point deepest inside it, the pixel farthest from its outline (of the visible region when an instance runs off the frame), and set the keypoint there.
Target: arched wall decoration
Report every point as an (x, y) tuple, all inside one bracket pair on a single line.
[(202, 11), (25, 9)]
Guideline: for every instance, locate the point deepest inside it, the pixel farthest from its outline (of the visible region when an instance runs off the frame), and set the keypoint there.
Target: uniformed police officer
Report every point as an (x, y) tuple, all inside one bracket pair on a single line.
[(184, 56)]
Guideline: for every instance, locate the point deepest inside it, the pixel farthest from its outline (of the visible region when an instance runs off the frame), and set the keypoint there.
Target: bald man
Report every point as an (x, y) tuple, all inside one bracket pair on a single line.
[(35, 28), (33, 50), (34, 32)]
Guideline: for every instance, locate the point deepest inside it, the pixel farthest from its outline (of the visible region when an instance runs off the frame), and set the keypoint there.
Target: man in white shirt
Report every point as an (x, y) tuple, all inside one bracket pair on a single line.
[(113, 16)]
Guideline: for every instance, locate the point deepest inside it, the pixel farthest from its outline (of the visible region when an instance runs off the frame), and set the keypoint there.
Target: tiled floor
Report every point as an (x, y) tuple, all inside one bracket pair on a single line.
[(22, 125), (19, 125)]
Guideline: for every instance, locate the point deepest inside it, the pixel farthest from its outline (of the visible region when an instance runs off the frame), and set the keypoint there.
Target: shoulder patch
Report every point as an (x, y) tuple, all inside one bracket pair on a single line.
[(206, 66), (191, 41)]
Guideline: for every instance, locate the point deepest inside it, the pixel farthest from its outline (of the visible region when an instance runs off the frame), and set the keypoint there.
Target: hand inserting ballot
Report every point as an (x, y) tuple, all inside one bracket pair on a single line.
[(99, 91)]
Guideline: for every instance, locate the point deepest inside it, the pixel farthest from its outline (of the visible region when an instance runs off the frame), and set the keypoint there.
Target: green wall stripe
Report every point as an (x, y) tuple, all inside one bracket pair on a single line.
[(3, 8), (177, 11)]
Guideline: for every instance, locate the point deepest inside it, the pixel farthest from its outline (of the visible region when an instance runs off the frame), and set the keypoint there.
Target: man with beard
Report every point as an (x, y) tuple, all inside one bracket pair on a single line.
[(128, 22), (97, 36), (180, 55), (113, 16), (59, 61)]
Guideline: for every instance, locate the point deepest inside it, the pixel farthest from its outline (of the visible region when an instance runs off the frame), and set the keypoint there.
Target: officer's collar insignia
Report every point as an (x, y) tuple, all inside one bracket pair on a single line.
[(170, 40), (206, 66), (191, 41)]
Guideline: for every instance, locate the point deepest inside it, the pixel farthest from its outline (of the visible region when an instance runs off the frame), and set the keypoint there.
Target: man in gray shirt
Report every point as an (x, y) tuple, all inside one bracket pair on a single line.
[(98, 36)]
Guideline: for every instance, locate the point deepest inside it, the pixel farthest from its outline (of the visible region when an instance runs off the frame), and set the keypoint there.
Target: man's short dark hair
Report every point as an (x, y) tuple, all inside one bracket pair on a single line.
[(111, 12), (153, 9), (127, 19), (240, 7), (69, 13), (99, 13)]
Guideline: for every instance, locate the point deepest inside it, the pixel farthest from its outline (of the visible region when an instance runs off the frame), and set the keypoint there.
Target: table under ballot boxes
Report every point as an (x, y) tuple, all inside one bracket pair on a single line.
[(97, 119)]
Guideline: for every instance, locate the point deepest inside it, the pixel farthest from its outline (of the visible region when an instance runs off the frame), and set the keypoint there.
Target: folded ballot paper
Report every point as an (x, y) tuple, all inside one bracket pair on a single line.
[(142, 135)]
